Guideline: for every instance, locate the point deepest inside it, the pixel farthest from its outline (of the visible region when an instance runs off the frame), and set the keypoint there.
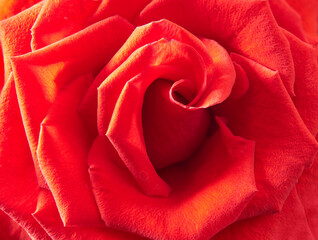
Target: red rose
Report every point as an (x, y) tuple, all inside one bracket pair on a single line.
[(162, 119)]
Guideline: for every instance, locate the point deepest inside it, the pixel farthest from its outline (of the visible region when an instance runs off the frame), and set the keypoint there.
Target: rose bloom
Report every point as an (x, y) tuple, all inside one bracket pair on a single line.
[(162, 119)]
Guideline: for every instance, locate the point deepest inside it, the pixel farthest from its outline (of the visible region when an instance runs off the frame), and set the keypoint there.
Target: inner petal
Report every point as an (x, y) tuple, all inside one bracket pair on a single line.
[(172, 133)]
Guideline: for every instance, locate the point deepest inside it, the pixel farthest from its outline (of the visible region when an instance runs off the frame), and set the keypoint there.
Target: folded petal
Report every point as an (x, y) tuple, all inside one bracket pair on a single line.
[(241, 82), (290, 223), (284, 146), (210, 190), (41, 75), (288, 18), (307, 189), (306, 85), (308, 10), (120, 99), (108, 8), (140, 37), (220, 85), (60, 19), (18, 182), (48, 217), (10, 229), (62, 153)]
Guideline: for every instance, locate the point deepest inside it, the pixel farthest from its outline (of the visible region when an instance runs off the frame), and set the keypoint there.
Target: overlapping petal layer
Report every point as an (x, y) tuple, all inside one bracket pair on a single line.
[(194, 208), (246, 27), (284, 146), (261, 127), (62, 152)]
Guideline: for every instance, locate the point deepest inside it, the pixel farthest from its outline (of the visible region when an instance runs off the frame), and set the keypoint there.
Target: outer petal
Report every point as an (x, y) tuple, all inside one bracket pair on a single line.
[(15, 40), (48, 217), (18, 183), (308, 10), (42, 74), (306, 85), (15, 35), (60, 19), (62, 152), (306, 89), (290, 223), (13, 7), (284, 146), (307, 189), (1, 69), (288, 18)]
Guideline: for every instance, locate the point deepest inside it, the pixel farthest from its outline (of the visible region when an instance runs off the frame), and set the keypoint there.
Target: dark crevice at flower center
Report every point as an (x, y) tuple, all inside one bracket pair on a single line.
[(172, 133), (179, 98)]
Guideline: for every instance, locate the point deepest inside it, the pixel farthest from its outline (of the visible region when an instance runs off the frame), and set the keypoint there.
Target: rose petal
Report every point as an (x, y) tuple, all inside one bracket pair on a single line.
[(62, 151), (220, 174), (142, 36), (241, 83), (219, 87), (284, 146), (108, 8), (15, 42), (306, 85), (60, 19), (18, 183), (10, 8), (1, 69), (10, 229), (307, 189), (308, 10), (288, 18), (15, 35), (47, 215), (171, 132), (41, 75), (161, 54), (245, 27), (290, 223), (120, 114)]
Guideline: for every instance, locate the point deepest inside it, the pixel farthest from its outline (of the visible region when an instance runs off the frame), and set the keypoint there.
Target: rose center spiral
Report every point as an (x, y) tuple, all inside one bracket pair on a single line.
[(172, 133)]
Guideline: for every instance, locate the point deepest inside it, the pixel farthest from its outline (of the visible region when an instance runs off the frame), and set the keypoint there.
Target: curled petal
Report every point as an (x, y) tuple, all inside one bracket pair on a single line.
[(62, 153), (140, 37), (242, 26), (241, 82), (220, 174), (120, 115)]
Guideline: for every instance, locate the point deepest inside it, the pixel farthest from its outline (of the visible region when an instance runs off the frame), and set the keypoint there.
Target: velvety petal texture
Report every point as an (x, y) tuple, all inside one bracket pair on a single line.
[(160, 120)]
